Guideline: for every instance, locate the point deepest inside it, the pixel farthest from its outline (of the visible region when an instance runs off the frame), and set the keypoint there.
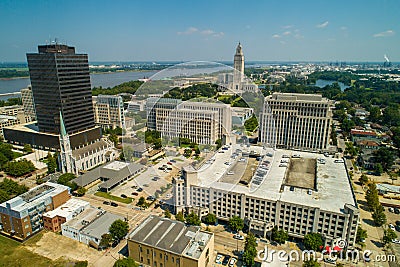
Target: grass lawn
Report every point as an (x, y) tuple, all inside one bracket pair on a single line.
[(17, 154), (13, 253), (127, 200)]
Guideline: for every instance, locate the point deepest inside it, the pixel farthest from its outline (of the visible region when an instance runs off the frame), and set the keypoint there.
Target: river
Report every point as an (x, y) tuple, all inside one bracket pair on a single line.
[(322, 83), (98, 79)]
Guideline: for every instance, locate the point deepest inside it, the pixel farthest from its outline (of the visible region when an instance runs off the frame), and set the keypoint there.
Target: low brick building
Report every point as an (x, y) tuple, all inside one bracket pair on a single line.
[(22, 216)]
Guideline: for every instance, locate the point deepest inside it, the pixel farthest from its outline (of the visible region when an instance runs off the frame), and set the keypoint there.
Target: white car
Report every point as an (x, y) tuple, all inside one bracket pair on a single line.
[(232, 262), (391, 226), (218, 259), (396, 241), (237, 236)]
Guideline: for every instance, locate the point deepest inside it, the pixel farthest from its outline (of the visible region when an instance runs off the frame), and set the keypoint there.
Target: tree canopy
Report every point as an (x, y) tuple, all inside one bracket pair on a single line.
[(313, 241), (126, 262), (236, 223), (119, 229), (193, 219)]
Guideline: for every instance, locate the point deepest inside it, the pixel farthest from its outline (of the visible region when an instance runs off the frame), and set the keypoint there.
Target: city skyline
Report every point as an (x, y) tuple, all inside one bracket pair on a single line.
[(174, 31)]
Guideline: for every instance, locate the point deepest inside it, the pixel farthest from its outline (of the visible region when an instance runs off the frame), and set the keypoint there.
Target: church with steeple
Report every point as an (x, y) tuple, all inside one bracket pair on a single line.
[(84, 157)]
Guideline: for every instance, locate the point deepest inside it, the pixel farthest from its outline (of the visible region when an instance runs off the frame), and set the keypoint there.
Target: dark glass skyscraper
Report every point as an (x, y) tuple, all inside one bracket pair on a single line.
[(61, 82)]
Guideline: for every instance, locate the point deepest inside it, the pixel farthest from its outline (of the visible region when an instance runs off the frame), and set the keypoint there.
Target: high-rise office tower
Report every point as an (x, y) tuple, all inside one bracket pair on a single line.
[(61, 82), (28, 103), (296, 121)]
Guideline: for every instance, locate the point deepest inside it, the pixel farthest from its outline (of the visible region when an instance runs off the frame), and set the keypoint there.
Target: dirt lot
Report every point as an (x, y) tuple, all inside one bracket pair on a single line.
[(301, 173), (55, 246)]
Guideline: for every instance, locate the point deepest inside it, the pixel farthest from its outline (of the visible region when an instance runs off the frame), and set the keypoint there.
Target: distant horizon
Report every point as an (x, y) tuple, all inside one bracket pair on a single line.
[(223, 62)]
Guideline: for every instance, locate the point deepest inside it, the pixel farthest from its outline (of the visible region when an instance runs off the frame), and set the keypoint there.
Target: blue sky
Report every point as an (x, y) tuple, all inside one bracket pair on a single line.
[(116, 30)]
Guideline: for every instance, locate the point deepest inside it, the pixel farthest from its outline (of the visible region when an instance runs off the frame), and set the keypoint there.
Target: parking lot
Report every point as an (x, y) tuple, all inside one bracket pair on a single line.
[(226, 260), (152, 180)]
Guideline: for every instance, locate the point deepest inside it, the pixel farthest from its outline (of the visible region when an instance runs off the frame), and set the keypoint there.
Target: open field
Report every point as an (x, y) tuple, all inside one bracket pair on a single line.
[(13, 253)]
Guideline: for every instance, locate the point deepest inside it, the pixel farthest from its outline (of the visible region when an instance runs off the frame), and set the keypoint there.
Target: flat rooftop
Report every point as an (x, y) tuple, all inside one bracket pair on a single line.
[(331, 191), (84, 218), (101, 225), (33, 197), (116, 165), (68, 209), (170, 235)]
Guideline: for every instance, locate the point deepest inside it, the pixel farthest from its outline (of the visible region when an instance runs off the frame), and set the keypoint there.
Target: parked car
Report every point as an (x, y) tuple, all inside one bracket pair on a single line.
[(391, 210), (237, 236), (135, 193), (139, 189), (106, 203), (169, 163), (151, 198), (218, 259), (172, 160), (123, 196), (226, 260), (232, 262), (396, 241), (114, 204), (397, 210), (391, 226)]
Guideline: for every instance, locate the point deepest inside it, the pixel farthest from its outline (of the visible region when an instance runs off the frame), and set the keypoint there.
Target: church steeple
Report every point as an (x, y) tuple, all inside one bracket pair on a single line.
[(65, 148), (63, 132)]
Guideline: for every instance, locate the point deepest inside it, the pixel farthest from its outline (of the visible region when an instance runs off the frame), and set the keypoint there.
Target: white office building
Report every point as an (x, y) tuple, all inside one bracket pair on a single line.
[(296, 121)]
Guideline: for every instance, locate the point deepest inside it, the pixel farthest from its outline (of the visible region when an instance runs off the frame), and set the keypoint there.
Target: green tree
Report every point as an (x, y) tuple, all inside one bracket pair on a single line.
[(313, 241), (119, 229), (19, 168), (378, 215), (374, 114), (384, 156), (236, 223), (193, 219), (81, 264), (51, 164), (250, 250), (388, 236), (141, 202), (378, 169), (167, 214), (372, 197), (126, 262), (81, 191), (187, 152), (179, 217), (363, 179), (27, 148), (210, 219), (361, 235), (218, 143), (280, 236), (106, 240), (311, 263), (351, 149)]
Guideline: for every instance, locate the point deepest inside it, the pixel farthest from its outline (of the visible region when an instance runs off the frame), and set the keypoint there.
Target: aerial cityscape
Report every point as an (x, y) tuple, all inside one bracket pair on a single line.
[(201, 134)]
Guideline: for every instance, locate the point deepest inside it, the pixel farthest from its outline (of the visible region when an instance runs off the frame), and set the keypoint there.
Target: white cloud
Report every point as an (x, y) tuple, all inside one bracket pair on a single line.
[(276, 36), (287, 26), (323, 25), (298, 36), (189, 30), (384, 34), (207, 32), (287, 33), (343, 28)]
